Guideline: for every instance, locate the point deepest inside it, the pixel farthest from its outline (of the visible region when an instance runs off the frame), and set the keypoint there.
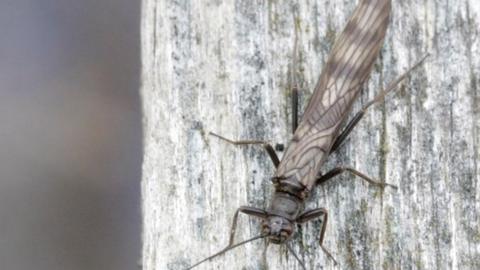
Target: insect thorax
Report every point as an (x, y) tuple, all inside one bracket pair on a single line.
[(291, 186), (285, 205), (288, 201)]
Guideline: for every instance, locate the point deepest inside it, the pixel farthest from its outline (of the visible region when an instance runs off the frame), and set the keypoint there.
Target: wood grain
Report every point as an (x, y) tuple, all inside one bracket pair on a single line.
[(225, 66)]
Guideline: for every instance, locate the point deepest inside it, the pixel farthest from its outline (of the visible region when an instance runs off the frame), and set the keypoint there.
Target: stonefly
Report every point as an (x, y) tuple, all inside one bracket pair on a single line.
[(319, 132)]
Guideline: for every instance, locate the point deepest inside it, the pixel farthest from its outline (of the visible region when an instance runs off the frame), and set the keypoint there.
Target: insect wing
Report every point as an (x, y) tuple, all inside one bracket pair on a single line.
[(347, 68)]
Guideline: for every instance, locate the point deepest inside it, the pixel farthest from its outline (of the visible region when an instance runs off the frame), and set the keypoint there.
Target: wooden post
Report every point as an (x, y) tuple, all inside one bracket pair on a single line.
[(225, 66)]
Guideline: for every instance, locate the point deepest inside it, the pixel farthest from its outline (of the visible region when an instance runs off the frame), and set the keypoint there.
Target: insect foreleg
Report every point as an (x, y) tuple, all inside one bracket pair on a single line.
[(315, 213), (266, 145), (392, 86), (246, 210), (251, 211), (336, 171)]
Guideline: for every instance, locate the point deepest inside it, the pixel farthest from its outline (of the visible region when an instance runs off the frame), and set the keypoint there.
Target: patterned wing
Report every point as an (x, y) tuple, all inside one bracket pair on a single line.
[(347, 68)]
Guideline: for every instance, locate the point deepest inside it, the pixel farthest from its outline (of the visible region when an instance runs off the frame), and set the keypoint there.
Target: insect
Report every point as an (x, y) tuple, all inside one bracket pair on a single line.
[(319, 132)]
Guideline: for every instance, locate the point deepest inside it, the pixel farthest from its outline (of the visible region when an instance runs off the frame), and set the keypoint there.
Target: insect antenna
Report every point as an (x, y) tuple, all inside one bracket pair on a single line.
[(296, 257), (227, 249)]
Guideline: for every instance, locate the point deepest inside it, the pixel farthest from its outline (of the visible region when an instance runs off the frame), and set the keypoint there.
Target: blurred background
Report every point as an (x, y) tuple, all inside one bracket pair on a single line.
[(70, 134)]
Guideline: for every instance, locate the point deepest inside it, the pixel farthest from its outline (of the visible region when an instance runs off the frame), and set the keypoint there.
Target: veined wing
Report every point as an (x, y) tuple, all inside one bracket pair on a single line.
[(347, 68)]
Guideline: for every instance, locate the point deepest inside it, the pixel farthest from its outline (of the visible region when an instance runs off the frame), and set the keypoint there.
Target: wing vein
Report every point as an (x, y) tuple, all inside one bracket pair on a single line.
[(347, 68)]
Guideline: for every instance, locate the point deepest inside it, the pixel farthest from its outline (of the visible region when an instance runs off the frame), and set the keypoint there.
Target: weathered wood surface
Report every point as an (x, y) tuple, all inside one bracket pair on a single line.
[(225, 66)]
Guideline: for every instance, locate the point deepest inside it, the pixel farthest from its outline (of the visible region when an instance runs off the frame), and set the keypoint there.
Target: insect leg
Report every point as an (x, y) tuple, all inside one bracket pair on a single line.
[(246, 210), (294, 109), (294, 82), (310, 214), (336, 171), (266, 145), (339, 140), (251, 211), (390, 87), (315, 213)]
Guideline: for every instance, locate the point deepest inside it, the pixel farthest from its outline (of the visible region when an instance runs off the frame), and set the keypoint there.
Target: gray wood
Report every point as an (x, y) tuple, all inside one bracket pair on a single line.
[(225, 66)]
